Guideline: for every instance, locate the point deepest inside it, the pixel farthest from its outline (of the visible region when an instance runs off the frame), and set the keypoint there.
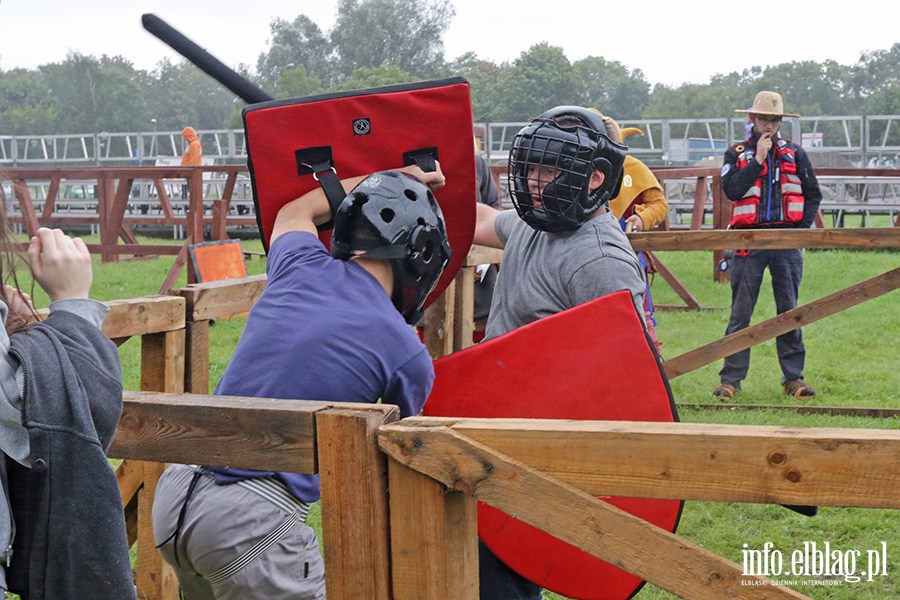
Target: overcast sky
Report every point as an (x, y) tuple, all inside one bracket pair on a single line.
[(671, 42)]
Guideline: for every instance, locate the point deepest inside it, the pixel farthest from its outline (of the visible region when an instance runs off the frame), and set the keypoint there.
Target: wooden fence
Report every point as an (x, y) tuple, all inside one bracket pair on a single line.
[(419, 540), (115, 200)]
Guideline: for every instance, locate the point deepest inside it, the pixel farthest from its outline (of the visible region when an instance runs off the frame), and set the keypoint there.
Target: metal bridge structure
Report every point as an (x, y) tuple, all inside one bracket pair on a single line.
[(853, 141)]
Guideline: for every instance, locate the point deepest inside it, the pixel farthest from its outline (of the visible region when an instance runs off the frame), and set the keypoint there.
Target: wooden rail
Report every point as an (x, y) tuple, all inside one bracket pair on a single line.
[(565, 465)]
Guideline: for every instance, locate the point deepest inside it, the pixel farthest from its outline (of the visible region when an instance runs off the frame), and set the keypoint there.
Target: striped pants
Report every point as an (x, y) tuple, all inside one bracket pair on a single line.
[(242, 541)]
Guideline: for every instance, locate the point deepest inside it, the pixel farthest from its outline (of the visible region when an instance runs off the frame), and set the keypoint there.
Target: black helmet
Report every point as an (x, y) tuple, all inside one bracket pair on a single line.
[(391, 215), (571, 152)]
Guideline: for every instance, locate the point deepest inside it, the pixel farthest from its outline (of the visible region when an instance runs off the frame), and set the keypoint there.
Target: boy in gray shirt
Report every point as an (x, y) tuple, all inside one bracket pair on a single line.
[(562, 248)]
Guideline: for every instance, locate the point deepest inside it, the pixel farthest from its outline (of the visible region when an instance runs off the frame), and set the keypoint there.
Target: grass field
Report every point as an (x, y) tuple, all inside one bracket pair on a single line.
[(851, 361)]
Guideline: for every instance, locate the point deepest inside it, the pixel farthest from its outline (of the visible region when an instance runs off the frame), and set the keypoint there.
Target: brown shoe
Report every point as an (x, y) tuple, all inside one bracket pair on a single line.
[(798, 389), (726, 392)]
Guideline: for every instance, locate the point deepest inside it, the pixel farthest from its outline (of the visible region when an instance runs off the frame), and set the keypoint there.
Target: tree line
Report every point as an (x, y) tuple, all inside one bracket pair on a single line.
[(381, 42)]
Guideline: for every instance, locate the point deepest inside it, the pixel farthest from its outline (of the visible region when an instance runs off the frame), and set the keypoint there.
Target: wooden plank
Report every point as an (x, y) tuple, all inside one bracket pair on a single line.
[(109, 227), (133, 249), (658, 240), (177, 266), (771, 239), (26, 206), (464, 308), (355, 524), (127, 235), (220, 217), (847, 411), (434, 538), (572, 515), (194, 228), (690, 301), (118, 206), (722, 210), (154, 579), (146, 315), (245, 433), (50, 200), (162, 361), (196, 367), (701, 461), (163, 197), (699, 209), (250, 433), (131, 520), (215, 299), (129, 475), (438, 331), (479, 255), (788, 321)]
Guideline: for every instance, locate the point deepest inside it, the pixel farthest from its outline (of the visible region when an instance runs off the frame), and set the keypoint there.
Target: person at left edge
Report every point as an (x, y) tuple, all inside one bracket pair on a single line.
[(333, 327), (62, 529)]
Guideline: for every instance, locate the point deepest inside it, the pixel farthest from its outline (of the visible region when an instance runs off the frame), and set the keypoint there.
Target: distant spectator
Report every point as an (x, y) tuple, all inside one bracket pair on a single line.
[(772, 185), (193, 156)]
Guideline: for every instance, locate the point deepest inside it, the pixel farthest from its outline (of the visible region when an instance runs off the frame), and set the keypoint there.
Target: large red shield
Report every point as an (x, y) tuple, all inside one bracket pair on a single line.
[(361, 132), (591, 362)]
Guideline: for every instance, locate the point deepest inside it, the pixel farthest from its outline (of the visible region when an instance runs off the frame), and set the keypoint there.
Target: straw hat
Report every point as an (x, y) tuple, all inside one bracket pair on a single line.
[(768, 103)]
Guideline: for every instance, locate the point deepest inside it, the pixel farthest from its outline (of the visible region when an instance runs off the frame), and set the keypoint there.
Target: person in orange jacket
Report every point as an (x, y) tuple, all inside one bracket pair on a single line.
[(193, 156)]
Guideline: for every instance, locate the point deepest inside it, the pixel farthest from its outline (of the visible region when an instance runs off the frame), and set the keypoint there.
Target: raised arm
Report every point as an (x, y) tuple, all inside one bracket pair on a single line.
[(485, 234), (312, 208)]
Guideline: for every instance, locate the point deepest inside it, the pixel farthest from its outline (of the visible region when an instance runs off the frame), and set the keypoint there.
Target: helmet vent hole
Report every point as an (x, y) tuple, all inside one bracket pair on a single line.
[(411, 195), (387, 215)]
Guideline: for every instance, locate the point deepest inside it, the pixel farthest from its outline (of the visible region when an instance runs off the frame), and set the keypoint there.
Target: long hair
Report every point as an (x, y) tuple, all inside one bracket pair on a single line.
[(11, 261)]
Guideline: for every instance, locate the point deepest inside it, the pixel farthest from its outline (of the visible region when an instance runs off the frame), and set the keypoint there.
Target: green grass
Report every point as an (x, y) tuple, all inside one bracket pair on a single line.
[(851, 360), (723, 528)]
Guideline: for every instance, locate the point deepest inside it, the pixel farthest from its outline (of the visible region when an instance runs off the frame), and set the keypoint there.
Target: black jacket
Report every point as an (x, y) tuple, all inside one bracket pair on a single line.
[(736, 181), (70, 539)]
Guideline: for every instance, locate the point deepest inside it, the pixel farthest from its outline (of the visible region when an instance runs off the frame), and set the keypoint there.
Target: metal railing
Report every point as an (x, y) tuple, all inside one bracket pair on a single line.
[(842, 141), (224, 146), (847, 141)]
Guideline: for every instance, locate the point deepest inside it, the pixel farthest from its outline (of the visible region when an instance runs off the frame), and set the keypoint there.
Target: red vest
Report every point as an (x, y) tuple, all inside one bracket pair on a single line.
[(745, 212)]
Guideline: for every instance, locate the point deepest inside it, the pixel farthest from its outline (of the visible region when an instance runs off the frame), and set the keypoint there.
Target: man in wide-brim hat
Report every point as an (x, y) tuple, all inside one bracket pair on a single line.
[(771, 184)]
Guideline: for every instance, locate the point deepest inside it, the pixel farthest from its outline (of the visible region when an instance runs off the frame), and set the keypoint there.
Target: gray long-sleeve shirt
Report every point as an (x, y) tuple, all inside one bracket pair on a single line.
[(13, 437)]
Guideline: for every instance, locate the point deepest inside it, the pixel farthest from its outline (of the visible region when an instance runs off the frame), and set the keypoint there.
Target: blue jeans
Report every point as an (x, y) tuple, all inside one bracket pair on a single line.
[(786, 270)]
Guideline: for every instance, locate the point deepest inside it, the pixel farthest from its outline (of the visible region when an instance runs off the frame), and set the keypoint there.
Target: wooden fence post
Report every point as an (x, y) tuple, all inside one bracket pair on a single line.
[(162, 370), (434, 538), (438, 331), (355, 529)]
